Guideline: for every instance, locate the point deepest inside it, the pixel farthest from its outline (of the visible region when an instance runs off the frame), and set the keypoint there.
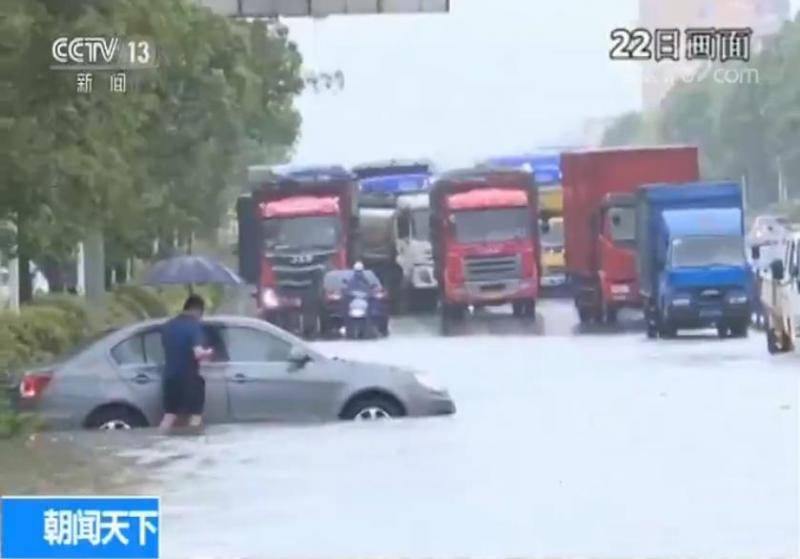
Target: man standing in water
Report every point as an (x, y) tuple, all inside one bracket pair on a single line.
[(184, 388)]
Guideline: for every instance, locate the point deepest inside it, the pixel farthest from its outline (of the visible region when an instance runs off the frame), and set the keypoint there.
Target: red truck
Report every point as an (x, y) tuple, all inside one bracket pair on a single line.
[(293, 228), (599, 220), (485, 241)]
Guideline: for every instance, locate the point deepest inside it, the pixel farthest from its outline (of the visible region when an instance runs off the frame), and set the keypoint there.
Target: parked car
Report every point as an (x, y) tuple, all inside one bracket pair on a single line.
[(336, 302), (259, 373)]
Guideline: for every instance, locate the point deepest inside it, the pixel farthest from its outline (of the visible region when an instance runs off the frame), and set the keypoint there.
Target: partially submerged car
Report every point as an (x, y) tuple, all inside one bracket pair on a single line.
[(259, 373)]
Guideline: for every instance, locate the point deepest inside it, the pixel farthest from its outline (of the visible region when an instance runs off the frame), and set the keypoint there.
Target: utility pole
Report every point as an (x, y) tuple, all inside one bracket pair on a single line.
[(13, 285)]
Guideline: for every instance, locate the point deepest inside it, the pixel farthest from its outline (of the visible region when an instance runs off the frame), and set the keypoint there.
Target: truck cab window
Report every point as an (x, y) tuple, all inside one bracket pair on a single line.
[(301, 232), (477, 226), (713, 250), (420, 224), (621, 226)]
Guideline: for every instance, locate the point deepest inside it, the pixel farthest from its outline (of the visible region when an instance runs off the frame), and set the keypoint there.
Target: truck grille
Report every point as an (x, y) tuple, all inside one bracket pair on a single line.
[(300, 270), (710, 296), (492, 268)]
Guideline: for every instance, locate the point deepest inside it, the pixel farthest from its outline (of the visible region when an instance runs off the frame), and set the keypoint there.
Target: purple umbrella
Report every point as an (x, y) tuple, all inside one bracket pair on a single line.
[(191, 270)]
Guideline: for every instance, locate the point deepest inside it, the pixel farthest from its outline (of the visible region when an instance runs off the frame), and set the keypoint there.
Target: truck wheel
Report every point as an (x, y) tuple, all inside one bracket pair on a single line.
[(786, 342), (652, 331), (611, 315), (517, 308), (529, 308), (668, 331), (772, 341), (584, 314)]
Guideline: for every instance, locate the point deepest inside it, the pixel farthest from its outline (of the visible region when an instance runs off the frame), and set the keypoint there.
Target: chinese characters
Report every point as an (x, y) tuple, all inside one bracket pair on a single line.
[(710, 44), (72, 527), (117, 82)]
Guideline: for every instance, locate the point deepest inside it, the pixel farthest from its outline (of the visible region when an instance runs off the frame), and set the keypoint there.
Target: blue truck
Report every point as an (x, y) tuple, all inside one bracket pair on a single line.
[(691, 262)]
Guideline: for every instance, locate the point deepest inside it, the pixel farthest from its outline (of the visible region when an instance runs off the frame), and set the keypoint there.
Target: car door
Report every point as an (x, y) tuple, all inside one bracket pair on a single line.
[(141, 363), (264, 386), (142, 379)]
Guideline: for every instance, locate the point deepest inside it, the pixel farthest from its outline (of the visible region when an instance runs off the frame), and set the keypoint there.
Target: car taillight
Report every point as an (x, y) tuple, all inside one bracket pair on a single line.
[(333, 295), (380, 293), (33, 384)]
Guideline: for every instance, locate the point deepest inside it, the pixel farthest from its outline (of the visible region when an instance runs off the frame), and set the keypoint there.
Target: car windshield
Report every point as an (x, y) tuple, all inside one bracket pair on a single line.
[(477, 226), (420, 228), (622, 225), (553, 234), (717, 250), (301, 232)]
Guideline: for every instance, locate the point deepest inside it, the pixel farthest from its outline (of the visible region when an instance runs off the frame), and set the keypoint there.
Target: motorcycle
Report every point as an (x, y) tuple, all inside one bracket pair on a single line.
[(358, 323)]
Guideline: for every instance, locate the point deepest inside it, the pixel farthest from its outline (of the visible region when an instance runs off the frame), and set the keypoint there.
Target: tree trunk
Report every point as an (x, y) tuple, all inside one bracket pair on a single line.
[(24, 262)]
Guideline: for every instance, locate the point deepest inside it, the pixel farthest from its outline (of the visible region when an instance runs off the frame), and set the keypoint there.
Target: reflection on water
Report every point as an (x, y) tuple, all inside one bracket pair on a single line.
[(72, 463)]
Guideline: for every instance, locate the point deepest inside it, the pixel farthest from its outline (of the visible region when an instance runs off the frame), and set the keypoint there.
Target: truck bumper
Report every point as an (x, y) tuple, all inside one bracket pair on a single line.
[(493, 292), (702, 317)]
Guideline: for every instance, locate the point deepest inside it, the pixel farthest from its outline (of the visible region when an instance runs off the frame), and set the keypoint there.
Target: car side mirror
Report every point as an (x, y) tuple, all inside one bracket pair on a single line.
[(776, 269), (755, 252), (298, 356)]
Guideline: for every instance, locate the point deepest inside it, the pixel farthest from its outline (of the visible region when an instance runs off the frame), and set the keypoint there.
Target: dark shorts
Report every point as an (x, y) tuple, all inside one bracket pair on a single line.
[(184, 394)]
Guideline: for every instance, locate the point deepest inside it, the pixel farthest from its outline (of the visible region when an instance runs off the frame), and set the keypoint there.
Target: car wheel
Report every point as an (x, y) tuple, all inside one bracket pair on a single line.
[(115, 418), (723, 331), (584, 314), (372, 408)]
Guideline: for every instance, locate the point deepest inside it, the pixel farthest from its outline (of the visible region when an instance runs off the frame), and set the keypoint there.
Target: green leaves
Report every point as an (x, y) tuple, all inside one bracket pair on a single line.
[(156, 161)]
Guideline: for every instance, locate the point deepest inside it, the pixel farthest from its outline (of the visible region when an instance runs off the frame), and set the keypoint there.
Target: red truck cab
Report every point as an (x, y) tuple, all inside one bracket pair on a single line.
[(485, 241), (292, 230), (599, 220)]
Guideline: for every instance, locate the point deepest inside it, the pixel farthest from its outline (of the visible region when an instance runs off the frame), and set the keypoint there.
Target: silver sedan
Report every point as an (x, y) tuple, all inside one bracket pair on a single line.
[(259, 373)]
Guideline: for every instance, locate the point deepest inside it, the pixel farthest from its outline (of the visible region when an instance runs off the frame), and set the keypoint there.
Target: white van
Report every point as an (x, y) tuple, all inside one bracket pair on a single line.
[(779, 281)]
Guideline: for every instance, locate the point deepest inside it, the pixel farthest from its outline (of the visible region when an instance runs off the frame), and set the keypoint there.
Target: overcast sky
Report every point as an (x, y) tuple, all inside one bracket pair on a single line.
[(492, 77)]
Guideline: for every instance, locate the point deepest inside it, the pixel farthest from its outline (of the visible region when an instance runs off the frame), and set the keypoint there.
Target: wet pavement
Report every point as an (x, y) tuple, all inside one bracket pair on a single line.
[(567, 442)]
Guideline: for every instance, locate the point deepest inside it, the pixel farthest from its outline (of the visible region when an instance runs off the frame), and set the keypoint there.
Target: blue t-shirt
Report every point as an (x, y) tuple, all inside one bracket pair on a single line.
[(179, 337)]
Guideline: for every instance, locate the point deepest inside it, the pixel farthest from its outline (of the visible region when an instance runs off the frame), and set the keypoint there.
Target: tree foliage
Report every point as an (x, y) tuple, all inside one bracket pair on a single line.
[(156, 162)]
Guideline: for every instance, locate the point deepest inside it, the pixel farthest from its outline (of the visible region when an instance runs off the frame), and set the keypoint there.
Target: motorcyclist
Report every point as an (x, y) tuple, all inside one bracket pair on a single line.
[(358, 282)]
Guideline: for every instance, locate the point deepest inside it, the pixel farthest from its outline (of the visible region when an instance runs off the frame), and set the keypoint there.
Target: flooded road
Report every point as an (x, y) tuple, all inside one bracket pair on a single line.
[(566, 443)]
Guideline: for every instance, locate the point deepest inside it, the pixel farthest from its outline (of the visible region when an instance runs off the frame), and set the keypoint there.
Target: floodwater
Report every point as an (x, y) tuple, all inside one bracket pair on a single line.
[(566, 443)]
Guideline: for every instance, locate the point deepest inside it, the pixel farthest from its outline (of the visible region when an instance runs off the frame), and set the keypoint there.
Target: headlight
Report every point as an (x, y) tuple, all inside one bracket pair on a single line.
[(737, 299), (269, 299), (429, 382), (681, 302)]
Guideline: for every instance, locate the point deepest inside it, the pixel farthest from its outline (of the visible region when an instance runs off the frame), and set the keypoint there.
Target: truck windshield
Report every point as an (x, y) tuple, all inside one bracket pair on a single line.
[(553, 234), (622, 225), (301, 232), (420, 228), (475, 226), (719, 250)]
